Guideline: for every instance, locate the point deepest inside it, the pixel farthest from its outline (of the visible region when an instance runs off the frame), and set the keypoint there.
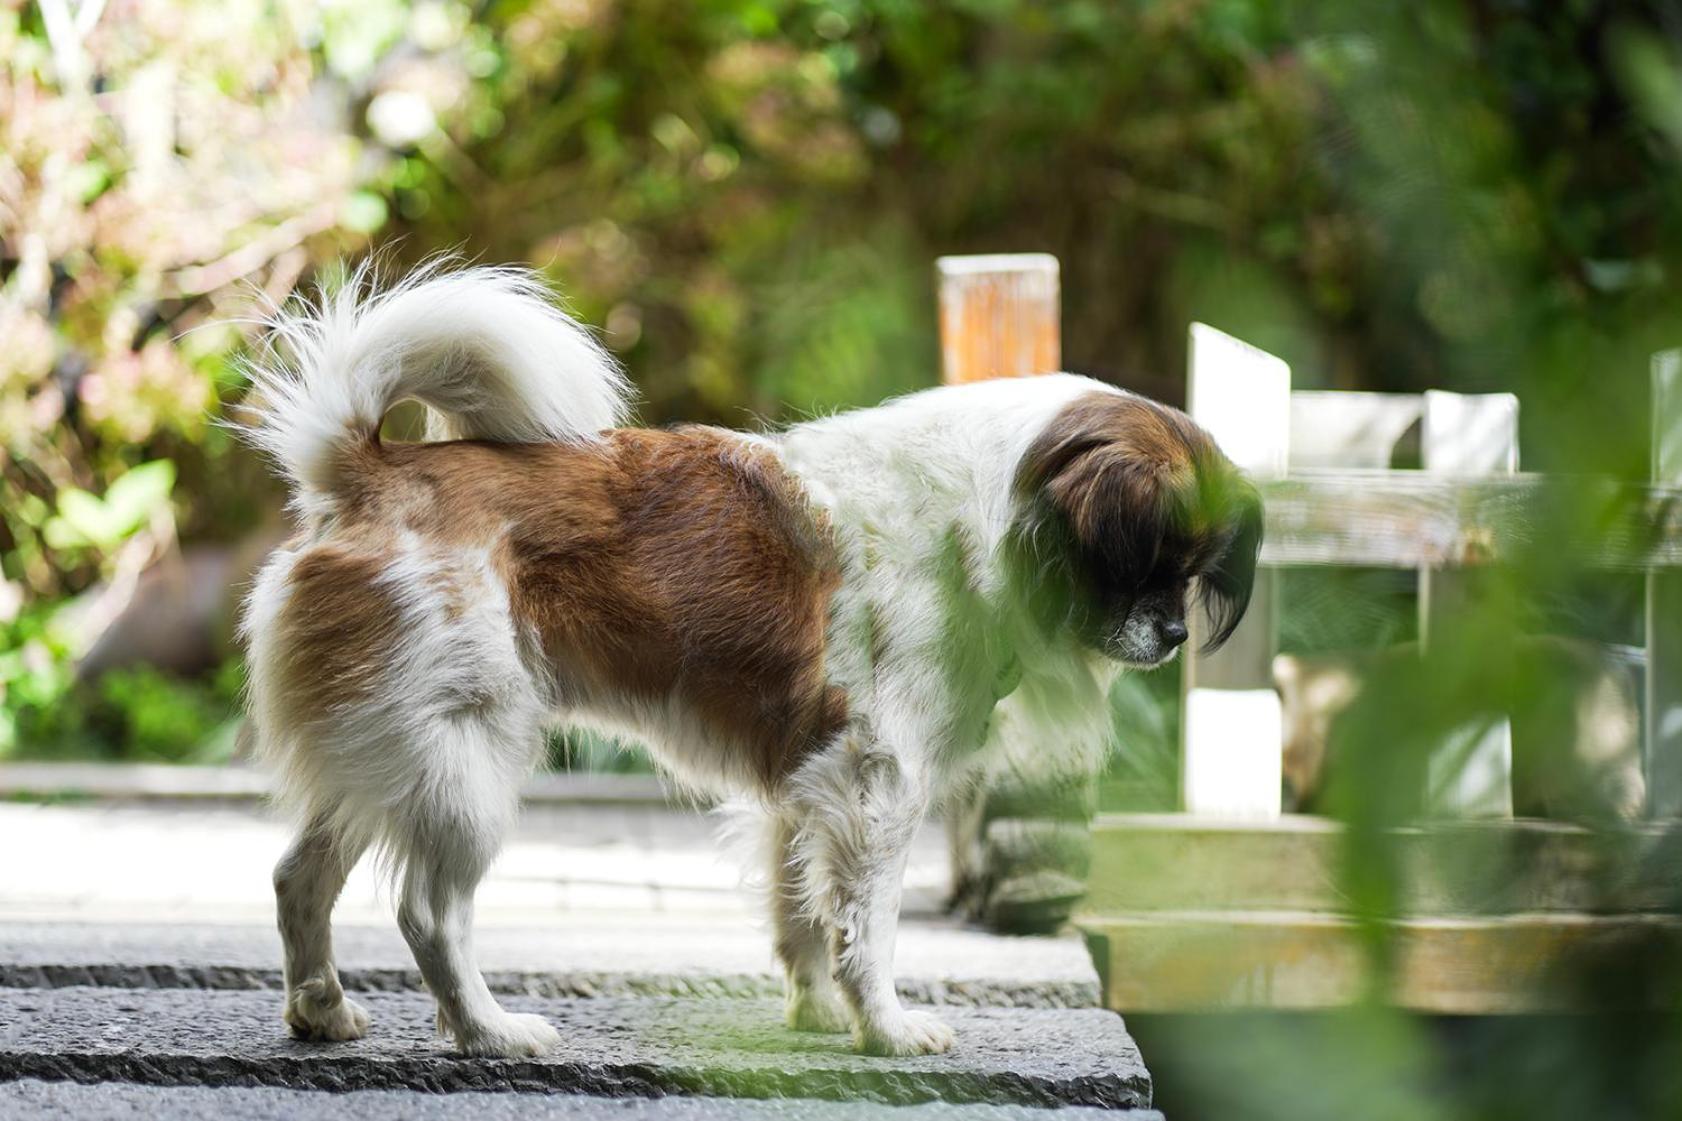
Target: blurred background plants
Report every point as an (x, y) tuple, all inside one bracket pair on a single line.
[(746, 195)]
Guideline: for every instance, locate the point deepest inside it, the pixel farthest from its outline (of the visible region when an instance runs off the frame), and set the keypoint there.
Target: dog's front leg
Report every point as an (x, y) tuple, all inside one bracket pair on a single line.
[(870, 801)]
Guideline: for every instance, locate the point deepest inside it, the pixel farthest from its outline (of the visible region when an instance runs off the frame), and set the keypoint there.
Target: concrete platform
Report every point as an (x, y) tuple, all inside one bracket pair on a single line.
[(610, 1047), (138, 956), (939, 961)]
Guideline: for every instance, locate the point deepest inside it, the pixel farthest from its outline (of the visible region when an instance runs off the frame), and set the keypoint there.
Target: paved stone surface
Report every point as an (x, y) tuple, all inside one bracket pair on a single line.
[(587, 899), (625, 923), (110, 1101), (51, 781), (168, 862), (610, 1047), (939, 961)]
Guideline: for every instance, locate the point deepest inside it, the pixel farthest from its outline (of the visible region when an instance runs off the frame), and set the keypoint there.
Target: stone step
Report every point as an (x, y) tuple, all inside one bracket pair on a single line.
[(635, 955), (1179, 862), (233, 782), (613, 1047), (1218, 960), (1188, 913), (126, 1101)]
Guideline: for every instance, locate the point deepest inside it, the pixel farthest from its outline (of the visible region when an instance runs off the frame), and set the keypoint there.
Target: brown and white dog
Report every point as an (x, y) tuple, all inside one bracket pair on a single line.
[(840, 621)]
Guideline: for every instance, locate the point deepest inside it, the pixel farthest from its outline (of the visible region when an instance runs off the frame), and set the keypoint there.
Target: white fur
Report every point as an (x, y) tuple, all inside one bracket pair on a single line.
[(945, 674), (485, 348)]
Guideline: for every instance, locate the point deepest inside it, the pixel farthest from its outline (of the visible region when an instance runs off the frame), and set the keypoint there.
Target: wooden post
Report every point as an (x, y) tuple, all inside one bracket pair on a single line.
[(1232, 725), (1663, 721), (1018, 843), (998, 316), (1466, 436)]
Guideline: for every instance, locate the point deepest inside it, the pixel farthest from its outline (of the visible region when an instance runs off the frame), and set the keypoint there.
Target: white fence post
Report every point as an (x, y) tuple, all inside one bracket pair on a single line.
[(1466, 436), (1663, 731), (1232, 725)]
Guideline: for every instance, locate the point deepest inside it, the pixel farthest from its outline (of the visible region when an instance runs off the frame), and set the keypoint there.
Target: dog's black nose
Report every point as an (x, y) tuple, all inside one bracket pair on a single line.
[(1173, 632)]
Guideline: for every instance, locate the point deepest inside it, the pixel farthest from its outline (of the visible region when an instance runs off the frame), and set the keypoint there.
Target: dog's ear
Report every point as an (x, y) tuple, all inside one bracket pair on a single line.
[(1226, 585), (1120, 509), (1109, 471)]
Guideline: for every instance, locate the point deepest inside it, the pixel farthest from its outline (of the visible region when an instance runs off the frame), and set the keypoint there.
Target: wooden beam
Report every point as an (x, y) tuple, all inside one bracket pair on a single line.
[(1405, 519), (999, 316), (1181, 862), (1472, 965)]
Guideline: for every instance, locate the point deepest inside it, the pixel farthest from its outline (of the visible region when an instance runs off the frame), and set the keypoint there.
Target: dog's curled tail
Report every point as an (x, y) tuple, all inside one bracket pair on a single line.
[(485, 349)]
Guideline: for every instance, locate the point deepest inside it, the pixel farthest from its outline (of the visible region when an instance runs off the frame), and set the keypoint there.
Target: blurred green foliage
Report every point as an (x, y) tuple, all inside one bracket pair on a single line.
[(746, 196)]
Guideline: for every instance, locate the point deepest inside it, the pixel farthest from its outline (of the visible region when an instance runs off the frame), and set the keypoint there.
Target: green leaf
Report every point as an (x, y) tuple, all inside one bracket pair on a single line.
[(133, 498), (81, 521)]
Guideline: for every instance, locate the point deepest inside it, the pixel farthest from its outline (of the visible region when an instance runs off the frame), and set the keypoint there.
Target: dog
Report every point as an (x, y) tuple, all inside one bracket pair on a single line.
[(839, 621)]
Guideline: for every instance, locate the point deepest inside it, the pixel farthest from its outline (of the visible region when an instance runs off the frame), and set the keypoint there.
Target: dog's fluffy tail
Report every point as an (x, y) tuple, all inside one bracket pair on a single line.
[(485, 349)]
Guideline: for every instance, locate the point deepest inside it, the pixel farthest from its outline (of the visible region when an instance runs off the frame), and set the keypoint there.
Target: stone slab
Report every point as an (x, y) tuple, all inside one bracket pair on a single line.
[(235, 782), (939, 962), (1502, 965), (111, 1101), (610, 1047)]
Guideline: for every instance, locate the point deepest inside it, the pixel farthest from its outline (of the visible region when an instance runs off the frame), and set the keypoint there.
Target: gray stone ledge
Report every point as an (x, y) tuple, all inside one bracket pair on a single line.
[(610, 1047), (576, 959), (740, 986)]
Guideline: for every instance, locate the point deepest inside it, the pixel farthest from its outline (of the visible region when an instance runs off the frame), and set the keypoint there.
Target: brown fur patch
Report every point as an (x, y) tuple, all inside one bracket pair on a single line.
[(657, 565), (336, 628), (1149, 501), (1110, 464)]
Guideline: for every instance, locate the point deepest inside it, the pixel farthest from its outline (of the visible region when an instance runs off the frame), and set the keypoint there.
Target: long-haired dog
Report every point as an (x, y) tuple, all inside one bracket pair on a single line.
[(840, 621)]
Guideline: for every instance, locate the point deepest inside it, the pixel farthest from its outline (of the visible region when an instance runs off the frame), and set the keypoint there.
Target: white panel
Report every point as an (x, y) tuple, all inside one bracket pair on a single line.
[(1470, 434), (1230, 754), (1471, 775), (1667, 418), (1466, 436), (1663, 718), (1335, 428), (1242, 396), (1233, 756)]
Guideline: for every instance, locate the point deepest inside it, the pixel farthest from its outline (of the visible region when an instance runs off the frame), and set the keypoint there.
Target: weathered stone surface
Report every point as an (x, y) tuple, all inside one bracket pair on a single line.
[(112, 1100), (611, 1047), (940, 963)]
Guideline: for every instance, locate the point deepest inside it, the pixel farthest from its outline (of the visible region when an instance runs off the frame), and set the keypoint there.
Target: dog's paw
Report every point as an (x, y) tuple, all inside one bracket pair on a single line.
[(820, 1010), (509, 1036), (338, 1021), (912, 1033)]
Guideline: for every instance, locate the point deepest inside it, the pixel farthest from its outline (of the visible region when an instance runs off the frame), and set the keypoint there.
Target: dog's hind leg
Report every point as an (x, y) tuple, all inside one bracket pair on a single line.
[(861, 805), (307, 882), (814, 1003), (452, 831)]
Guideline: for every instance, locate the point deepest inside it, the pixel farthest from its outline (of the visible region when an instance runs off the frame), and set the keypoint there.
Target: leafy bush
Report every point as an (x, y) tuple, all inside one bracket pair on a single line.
[(746, 195)]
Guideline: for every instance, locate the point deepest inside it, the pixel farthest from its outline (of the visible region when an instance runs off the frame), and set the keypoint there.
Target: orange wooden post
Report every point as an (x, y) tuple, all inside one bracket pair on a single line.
[(1018, 849), (999, 316)]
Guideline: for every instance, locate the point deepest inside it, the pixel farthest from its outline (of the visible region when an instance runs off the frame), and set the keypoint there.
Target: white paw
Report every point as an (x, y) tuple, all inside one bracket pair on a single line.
[(510, 1036), (912, 1033), (310, 1017), (817, 1010)]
